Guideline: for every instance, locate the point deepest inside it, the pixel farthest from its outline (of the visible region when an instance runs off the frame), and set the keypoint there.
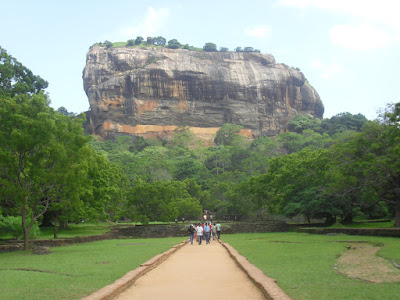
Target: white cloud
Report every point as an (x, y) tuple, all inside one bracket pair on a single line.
[(359, 37), (260, 31), (326, 71), (153, 22), (377, 19)]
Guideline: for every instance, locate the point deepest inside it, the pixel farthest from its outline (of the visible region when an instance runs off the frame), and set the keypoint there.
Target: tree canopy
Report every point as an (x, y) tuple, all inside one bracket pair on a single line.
[(16, 79)]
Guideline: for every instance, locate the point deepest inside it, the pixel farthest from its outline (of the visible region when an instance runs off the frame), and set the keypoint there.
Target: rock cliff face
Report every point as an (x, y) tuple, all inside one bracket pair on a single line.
[(150, 92)]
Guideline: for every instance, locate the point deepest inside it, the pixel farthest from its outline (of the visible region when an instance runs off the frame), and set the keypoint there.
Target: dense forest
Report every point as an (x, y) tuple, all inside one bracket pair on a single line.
[(51, 172)]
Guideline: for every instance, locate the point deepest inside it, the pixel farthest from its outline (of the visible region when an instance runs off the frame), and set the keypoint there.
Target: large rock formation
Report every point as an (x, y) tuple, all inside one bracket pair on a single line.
[(150, 92)]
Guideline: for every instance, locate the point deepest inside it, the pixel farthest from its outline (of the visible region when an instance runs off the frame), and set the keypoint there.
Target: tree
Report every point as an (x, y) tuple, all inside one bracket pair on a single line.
[(107, 44), (139, 40), (227, 134), (238, 49), (223, 49), (16, 79), (159, 41), (65, 112), (173, 44), (294, 184), (248, 49), (342, 122), (161, 201), (152, 164), (210, 47), (300, 123), (130, 43), (37, 146), (150, 40)]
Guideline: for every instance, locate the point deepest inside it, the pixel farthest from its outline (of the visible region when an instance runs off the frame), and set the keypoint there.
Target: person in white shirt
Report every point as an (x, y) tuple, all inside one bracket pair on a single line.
[(199, 231)]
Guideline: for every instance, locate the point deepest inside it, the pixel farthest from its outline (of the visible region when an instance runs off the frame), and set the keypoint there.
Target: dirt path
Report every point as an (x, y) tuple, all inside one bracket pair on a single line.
[(194, 272)]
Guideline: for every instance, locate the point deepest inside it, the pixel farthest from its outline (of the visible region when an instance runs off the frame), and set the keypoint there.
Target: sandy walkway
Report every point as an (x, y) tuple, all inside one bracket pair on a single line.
[(194, 272)]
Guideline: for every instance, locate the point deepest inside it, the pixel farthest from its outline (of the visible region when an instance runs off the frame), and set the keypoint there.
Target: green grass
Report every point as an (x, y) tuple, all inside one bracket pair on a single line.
[(365, 224), (73, 272), (303, 264), (83, 229)]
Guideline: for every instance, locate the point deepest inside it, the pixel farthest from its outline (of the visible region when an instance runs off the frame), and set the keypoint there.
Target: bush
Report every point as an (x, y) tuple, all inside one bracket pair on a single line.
[(210, 47), (173, 44), (13, 226)]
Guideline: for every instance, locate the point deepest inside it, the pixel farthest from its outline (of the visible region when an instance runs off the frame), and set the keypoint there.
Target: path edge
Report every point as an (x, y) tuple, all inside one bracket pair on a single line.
[(112, 290), (267, 285)]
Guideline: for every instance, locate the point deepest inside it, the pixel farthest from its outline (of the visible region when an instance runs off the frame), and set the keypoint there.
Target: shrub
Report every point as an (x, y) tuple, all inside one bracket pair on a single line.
[(210, 47), (13, 225)]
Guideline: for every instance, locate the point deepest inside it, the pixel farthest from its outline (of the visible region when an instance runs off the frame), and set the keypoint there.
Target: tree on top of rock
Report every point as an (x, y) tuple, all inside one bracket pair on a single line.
[(210, 47)]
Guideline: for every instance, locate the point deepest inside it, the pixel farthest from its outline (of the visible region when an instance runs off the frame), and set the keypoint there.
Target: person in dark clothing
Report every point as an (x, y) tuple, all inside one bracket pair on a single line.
[(191, 231)]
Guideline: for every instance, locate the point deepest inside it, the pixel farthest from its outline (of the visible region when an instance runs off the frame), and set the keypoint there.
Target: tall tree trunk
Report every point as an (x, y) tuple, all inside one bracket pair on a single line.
[(308, 218), (55, 225), (397, 217), (330, 220), (25, 229)]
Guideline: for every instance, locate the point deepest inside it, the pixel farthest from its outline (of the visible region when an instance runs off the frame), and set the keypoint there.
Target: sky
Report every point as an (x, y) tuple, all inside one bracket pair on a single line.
[(349, 50)]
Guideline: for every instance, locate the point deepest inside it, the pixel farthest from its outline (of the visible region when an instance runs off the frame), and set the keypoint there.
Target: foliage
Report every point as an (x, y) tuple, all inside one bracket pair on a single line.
[(40, 152), (65, 112), (210, 47), (162, 201), (342, 122), (12, 225), (159, 41), (16, 79), (174, 44), (150, 40), (227, 134), (139, 40), (300, 123)]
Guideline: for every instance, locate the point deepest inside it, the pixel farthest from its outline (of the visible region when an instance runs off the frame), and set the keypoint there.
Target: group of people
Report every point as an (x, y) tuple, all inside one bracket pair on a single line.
[(204, 231)]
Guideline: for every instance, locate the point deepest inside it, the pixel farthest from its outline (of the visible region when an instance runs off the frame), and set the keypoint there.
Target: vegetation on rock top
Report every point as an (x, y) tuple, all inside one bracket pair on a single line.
[(161, 42)]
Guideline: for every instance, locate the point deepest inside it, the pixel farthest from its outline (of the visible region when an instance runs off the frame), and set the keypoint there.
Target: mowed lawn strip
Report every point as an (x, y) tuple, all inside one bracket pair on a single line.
[(304, 264), (72, 272)]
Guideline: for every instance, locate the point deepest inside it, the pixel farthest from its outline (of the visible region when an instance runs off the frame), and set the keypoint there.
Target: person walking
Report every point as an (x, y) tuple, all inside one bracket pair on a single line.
[(191, 231), (199, 231), (207, 230), (218, 228), (214, 232)]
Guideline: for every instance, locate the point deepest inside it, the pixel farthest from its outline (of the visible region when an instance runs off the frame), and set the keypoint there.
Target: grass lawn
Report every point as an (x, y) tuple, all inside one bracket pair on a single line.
[(72, 272), (304, 264), (83, 229), (365, 224)]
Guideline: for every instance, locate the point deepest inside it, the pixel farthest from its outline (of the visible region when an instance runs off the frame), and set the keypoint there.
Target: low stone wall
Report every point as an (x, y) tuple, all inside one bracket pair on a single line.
[(393, 232), (271, 226), (153, 231), (15, 245), (157, 231)]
